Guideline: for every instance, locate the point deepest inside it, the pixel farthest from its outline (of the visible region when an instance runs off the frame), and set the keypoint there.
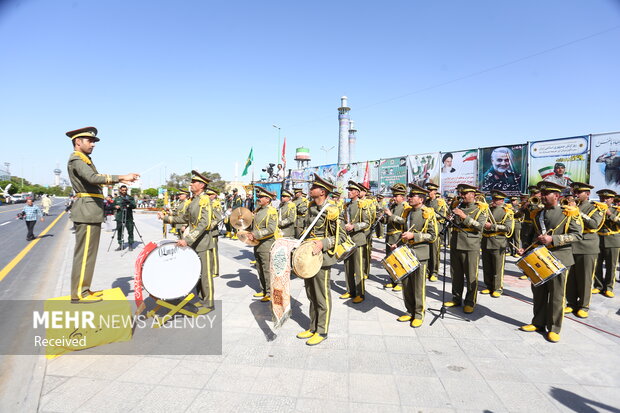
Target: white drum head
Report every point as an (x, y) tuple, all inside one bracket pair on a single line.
[(170, 271)]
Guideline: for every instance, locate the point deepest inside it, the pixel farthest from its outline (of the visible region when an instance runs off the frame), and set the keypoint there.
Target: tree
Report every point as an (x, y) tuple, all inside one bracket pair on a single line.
[(152, 192), (135, 192), (182, 181)]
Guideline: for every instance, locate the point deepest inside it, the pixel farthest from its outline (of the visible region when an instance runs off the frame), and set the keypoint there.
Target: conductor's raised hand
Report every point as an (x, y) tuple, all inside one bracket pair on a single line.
[(129, 178)]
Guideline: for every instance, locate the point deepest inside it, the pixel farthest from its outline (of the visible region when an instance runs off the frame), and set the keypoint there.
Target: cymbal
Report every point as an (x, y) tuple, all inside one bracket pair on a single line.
[(243, 237), (241, 218)]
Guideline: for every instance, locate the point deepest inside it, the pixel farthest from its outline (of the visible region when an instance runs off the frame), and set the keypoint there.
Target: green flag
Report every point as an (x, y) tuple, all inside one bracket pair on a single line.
[(248, 162)]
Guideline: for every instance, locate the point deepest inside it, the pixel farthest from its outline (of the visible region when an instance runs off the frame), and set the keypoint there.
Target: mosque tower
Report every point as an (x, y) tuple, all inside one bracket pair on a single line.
[(57, 173), (352, 140), (343, 141)]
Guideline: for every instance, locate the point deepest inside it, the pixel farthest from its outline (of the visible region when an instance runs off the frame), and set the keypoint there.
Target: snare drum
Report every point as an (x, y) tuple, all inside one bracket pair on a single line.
[(170, 271), (540, 265), (400, 263)]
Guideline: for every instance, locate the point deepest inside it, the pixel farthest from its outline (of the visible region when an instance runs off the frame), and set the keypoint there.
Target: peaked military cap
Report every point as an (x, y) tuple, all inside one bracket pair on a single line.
[(431, 186), (606, 193), (336, 194), (262, 192), (398, 189), (466, 188), (286, 192), (533, 188), (515, 198), (354, 185), (88, 132), (211, 191), (550, 186), (380, 196), (417, 190), (197, 176), (495, 194), (322, 183), (580, 186), (363, 187), (297, 189), (183, 192)]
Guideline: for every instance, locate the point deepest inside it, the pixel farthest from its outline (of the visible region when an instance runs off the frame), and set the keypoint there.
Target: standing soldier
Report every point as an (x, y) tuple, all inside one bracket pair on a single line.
[(441, 209), (514, 242), (381, 206), (179, 209), (87, 210), (368, 204), (529, 208), (609, 246), (263, 230), (396, 218), (420, 234), (337, 201), (357, 223), (287, 215), (124, 205), (499, 227), (236, 202), (198, 217), (557, 228), (301, 206), (323, 235), (216, 217), (469, 219)]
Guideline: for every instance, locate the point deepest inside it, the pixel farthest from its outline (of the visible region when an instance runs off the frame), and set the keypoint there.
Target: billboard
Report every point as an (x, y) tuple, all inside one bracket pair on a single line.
[(562, 161), (503, 168), (458, 168), (605, 161), (392, 171), (423, 168)]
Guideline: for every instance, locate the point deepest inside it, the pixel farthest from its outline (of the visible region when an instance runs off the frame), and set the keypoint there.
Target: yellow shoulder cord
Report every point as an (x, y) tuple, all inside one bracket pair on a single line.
[(83, 157), (591, 231)]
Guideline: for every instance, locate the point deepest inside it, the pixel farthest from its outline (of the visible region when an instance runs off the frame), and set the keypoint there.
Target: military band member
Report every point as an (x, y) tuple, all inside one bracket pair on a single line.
[(336, 199), (396, 218), (87, 210), (497, 229), (179, 209), (469, 219), (440, 207), (287, 215), (264, 228), (421, 232), (557, 228), (301, 206), (369, 204), (514, 242), (381, 206), (585, 252), (531, 205), (217, 214), (198, 217), (609, 234), (357, 217), (323, 235)]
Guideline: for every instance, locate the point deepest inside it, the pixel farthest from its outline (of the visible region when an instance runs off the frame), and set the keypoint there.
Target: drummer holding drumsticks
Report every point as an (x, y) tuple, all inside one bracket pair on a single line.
[(557, 228)]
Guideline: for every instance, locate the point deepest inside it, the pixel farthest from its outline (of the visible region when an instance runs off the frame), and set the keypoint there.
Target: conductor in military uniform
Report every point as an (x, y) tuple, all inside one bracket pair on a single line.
[(557, 228), (497, 230), (287, 215), (198, 216), (323, 235), (420, 233), (469, 218), (87, 210), (124, 205)]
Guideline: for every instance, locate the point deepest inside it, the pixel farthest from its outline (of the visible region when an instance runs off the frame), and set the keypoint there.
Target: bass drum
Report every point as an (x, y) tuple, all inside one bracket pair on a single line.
[(305, 263), (170, 271)]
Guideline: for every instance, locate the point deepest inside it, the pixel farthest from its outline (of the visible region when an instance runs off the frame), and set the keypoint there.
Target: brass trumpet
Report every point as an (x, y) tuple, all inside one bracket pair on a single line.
[(534, 200), (568, 201), (456, 201), (481, 198)]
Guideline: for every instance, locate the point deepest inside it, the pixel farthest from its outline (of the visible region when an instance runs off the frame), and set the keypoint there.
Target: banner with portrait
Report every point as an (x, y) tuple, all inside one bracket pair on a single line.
[(392, 171), (423, 168), (561, 161), (356, 172), (458, 168), (503, 168), (605, 162)]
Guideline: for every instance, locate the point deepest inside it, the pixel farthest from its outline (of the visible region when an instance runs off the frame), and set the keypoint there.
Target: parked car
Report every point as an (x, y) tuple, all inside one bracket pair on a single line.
[(17, 198)]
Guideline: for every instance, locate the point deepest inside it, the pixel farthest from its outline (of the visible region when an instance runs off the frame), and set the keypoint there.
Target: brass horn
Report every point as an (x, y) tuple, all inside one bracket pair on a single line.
[(534, 200)]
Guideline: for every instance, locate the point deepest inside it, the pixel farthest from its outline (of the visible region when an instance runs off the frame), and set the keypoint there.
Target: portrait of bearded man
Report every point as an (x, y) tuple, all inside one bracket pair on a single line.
[(501, 175)]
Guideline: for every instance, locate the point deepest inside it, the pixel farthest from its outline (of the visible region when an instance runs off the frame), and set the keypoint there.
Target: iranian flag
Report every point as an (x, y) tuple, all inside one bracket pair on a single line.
[(366, 181), (471, 155), (546, 171)]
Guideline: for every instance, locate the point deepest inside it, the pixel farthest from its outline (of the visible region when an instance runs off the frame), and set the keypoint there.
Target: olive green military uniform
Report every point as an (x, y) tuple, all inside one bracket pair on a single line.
[(87, 216), (514, 241), (287, 218), (301, 207), (179, 210), (609, 250), (380, 227), (198, 216), (358, 214), (465, 242), (565, 227), (440, 207), (124, 217), (371, 205), (264, 227), (494, 241), (216, 217), (396, 225), (423, 224), (585, 253)]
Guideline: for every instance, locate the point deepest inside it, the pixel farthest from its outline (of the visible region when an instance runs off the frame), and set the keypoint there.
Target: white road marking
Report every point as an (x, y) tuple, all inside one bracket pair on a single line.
[(4, 223)]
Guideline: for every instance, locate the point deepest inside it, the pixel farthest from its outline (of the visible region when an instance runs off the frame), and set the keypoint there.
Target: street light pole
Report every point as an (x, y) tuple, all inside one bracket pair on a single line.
[(323, 148), (278, 150)]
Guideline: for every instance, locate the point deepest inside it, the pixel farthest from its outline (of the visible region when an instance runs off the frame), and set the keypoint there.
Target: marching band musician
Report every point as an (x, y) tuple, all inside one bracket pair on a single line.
[(420, 235), (434, 201), (528, 208), (609, 246), (216, 217), (381, 206), (337, 201), (264, 228), (497, 230), (301, 206), (287, 215), (357, 223), (368, 203), (514, 241), (323, 235), (198, 217), (468, 219), (179, 208), (585, 252), (557, 228), (396, 218)]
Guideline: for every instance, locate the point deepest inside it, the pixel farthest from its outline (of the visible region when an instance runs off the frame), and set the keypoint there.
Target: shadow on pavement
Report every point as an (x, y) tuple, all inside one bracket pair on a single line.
[(125, 284), (247, 278), (579, 403), (262, 312)]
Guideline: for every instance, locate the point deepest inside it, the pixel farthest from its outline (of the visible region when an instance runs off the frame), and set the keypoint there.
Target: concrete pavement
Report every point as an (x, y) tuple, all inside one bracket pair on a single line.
[(370, 362)]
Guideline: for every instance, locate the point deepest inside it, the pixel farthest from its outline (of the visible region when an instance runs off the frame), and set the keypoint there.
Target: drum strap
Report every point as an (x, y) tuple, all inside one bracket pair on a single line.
[(312, 224)]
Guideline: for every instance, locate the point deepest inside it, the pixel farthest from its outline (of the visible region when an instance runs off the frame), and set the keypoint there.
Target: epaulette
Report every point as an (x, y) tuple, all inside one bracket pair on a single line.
[(508, 209), (407, 206), (483, 206), (508, 206), (427, 212), (363, 203), (82, 157), (271, 210), (601, 206), (441, 202), (204, 200), (332, 213), (570, 211)]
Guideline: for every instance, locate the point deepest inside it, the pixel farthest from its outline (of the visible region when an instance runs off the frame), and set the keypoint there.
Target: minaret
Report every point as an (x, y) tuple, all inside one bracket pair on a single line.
[(57, 173), (352, 140), (343, 141)]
